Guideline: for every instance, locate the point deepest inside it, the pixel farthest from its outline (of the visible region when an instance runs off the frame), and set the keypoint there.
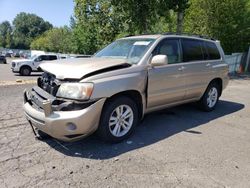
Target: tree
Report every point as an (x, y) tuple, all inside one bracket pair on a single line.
[(54, 40), (5, 34), (139, 15), (27, 27), (97, 23), (226, 20), (178, 6), (72, 22)]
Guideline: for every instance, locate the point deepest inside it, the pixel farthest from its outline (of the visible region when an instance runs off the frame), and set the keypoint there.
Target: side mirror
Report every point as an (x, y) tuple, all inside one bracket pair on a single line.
[(159, 60)]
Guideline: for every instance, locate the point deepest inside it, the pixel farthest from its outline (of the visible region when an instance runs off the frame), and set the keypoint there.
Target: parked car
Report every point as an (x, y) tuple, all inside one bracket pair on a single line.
[(26, 66), (112, 91), (16, 54), (3, 59), (8, 54)]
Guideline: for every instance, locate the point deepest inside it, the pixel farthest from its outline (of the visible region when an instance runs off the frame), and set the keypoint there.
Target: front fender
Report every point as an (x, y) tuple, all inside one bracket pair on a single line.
[(20, 65), (106, 87)]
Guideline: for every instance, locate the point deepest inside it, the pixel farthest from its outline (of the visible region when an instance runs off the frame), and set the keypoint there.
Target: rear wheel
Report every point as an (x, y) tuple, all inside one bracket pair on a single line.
[(25, 71), (210, 98), (118, 119)]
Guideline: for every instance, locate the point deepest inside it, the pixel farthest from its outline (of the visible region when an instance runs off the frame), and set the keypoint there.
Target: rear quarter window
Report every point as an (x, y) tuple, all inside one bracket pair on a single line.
[(212, 50), (192, 50), (52, 57)]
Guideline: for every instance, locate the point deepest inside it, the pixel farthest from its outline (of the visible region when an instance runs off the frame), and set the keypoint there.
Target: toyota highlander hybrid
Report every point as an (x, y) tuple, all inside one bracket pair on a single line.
[(110, 92)]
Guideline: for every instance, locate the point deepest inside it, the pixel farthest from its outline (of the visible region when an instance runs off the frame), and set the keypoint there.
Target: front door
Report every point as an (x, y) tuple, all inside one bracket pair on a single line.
[(39, 60), (166, 84)]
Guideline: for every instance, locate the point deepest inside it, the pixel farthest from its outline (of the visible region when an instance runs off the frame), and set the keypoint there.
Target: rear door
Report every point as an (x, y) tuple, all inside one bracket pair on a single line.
[(166, 84), (197, 69)]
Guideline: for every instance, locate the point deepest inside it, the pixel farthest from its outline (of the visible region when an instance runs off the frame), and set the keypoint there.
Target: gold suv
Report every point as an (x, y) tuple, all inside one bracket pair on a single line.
[(111, 91)]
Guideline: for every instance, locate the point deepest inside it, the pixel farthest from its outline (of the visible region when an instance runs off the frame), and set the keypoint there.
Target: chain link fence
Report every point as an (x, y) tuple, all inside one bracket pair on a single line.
[(234, 62), (238, 62)]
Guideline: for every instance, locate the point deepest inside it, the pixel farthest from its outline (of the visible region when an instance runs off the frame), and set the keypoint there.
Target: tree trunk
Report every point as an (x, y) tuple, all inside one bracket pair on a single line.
[(179, 22)]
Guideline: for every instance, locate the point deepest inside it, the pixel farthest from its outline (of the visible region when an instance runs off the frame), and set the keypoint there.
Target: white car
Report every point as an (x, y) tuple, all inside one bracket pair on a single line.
[(26, 66)]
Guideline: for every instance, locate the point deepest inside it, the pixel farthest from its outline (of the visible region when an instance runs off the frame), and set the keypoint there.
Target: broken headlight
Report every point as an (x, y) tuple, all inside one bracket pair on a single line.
[(78, 91)]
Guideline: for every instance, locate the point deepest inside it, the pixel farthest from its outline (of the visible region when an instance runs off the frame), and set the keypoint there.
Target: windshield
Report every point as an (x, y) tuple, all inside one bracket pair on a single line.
[(130, 49)]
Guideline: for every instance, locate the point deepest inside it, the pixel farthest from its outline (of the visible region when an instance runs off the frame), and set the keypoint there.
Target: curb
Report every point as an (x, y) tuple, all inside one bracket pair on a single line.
[(17, 82)]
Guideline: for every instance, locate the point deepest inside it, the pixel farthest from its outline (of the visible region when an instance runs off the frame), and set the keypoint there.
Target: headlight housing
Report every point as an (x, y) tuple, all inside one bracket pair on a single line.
[(78, 91)]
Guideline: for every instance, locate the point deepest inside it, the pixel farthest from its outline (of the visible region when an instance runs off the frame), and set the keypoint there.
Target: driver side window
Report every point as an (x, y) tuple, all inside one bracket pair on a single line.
[(171, 48), (38, 59)]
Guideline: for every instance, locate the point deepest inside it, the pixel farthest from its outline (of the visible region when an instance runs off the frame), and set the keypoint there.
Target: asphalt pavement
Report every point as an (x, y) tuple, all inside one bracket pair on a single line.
[(176, 147), (7, 76)]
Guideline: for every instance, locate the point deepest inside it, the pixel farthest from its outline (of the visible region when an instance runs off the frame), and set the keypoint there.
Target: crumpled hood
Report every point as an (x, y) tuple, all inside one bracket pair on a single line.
[(80, 67)]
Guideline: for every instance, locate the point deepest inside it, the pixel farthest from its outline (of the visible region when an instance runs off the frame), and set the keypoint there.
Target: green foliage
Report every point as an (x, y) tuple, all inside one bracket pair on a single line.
[(54, 40), (138, 16), (5, 34), (226, 20), (27, 27), (96, 24), (177, 5)]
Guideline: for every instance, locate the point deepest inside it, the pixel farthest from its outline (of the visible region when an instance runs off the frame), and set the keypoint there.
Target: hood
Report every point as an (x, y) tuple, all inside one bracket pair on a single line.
[(22, 60), (82, 67)]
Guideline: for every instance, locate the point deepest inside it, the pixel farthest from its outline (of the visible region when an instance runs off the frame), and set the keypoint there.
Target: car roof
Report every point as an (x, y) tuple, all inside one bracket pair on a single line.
[(155, 36), (184, 35), (48, 54)]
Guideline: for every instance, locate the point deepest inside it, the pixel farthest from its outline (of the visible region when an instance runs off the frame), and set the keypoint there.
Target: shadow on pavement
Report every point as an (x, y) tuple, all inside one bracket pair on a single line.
[(155, 127)]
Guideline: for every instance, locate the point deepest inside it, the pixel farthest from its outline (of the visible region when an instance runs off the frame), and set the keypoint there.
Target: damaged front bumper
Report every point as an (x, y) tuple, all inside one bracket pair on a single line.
[(67, 125)]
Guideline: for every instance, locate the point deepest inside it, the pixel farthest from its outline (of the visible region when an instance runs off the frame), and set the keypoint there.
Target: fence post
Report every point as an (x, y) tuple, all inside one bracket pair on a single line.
[(248, 59)]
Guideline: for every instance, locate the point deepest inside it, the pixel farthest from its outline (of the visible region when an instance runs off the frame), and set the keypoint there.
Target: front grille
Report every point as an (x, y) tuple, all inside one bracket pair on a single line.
[(13, 64), (48, 83)]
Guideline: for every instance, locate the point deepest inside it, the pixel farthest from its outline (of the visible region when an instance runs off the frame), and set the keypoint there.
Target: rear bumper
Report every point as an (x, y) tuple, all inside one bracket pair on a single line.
[(64, 125)]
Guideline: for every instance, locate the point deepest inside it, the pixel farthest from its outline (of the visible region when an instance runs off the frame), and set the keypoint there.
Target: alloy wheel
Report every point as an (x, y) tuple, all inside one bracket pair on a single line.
[(121, 120), (212, 97)]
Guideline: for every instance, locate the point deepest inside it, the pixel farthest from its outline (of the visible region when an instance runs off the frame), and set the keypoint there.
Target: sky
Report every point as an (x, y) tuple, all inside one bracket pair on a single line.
[(57, 12)]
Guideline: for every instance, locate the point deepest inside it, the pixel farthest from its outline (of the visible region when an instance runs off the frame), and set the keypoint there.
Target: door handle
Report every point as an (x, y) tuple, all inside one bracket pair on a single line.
[(181, 68), (208, 65)]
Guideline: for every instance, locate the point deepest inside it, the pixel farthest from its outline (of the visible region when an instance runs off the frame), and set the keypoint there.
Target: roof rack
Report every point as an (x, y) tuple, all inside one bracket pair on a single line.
[(131, 35), (191, 35)]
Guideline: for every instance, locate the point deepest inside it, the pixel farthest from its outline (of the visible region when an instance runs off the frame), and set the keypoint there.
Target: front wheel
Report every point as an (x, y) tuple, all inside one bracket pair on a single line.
[(25, 71), (118, 119), (210, 98)]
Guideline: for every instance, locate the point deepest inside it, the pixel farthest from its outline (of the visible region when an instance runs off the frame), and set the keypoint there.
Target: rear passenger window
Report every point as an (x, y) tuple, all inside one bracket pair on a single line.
[(171, 48), (212, 50), (44, 57), (192, 50), (52, 57)]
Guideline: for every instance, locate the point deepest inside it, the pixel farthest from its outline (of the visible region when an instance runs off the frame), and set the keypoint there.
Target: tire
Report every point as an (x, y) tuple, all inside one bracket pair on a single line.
[(210, 98), (25, 71), (113, 127)]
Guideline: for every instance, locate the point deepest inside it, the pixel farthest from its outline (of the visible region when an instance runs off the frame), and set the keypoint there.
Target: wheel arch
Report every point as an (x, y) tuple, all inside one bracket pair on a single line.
[(25, 65), (218, 81), (134, 95)]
